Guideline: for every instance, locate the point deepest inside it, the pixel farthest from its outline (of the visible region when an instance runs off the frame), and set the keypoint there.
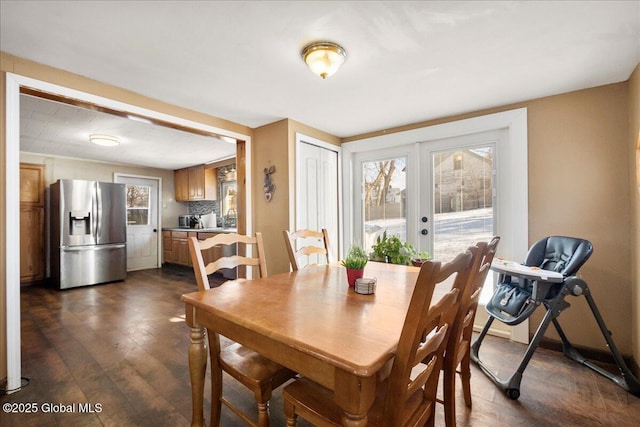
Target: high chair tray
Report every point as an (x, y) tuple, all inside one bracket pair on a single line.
[(512, 268)]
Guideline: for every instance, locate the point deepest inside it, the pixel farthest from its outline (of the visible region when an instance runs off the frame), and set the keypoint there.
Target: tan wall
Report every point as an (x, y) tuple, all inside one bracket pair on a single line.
[(634, 167), (63, 168), (274, 144), (13, 64), (270, 148), (578, 186)]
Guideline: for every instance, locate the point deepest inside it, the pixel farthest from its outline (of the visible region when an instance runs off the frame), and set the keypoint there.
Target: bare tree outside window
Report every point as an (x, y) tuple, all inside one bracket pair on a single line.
[(384, 203), (138, 204)]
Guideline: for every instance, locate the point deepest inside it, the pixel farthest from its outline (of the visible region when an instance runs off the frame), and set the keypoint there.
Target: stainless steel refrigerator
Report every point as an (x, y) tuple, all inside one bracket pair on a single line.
[(88, 232)]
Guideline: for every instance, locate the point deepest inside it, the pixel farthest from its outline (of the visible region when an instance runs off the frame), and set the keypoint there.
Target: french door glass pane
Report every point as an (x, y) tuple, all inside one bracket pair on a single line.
[(138, 204), (384, 199), (462, 199)]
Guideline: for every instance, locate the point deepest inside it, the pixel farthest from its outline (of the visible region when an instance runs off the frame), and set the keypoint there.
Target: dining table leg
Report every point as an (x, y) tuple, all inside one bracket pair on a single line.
[(197, 369), (355, 395)]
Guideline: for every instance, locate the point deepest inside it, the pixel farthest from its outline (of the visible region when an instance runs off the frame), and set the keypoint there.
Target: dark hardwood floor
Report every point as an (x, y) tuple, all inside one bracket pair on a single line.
[(122, 347)]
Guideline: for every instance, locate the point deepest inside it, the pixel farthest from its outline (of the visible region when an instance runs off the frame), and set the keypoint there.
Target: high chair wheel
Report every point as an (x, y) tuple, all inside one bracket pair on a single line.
[(513, 393)]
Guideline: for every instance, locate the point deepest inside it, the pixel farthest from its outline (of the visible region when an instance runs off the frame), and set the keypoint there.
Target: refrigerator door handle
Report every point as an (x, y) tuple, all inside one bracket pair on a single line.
[(93, 247), (98, 208)]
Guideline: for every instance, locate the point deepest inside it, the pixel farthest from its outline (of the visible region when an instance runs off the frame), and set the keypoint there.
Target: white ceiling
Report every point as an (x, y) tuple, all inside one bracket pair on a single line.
[(49, 127), (407, 61)]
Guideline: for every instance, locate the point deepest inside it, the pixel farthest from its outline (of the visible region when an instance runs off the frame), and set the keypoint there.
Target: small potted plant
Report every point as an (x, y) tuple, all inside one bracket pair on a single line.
[(420, 258), (381, 248), (393, 250), (354, 263)]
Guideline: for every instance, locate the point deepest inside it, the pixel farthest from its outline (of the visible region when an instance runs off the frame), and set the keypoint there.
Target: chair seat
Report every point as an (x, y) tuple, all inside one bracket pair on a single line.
[(251, 368), (320, 408), (316, 400)]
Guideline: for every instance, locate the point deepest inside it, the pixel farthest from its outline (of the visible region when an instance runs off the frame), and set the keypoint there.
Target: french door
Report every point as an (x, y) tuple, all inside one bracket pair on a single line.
[(457, 193), (439, 196)]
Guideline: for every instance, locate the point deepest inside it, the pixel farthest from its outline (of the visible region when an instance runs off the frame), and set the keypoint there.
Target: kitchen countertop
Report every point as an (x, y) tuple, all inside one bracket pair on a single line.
[(203, 230)]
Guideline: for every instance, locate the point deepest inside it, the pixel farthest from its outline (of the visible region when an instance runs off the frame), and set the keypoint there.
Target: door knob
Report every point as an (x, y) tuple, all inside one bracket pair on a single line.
[(424, 219), (424, 231)]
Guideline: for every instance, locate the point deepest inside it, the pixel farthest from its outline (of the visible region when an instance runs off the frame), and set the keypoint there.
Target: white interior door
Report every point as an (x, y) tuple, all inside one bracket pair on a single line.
[(317, 189), (142, 221)]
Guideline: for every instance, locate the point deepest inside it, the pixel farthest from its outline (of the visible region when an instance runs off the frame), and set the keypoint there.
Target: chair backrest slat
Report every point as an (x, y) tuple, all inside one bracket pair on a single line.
[(319, 246), (422, 344), (230, 262), (198, 249)]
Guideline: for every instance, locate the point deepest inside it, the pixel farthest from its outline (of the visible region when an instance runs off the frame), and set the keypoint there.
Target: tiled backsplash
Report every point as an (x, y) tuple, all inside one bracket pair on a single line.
[(204, 208)]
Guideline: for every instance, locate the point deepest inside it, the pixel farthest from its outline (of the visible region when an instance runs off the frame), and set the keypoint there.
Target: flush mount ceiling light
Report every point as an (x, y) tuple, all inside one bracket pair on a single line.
[(105, 140), (324, 58)]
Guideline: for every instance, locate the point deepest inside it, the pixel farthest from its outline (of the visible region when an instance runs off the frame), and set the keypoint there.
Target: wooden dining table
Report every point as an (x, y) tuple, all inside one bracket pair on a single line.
[(312, 322)]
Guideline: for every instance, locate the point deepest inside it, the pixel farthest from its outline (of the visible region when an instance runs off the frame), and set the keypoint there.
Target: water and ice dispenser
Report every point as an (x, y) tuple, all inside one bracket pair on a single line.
[(79, 223)]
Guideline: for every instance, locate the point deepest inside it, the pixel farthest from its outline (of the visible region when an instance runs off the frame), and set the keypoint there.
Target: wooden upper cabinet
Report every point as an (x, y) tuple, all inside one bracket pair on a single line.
[(196, 183), (32, 215), (31, 184), (210, 183), (181, 182)]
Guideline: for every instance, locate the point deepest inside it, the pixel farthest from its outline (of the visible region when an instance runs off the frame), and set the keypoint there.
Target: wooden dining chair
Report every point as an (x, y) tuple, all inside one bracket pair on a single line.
[(318, 246), (254, 371), (458, 345), (406, 397)]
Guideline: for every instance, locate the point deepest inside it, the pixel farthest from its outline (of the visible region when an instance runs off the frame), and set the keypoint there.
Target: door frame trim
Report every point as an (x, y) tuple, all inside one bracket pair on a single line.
[(13, 83), (117, 175), (293, 201)]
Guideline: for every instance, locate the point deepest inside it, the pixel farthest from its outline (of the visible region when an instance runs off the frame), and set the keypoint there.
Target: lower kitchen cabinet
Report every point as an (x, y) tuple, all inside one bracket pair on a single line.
[(31, 243), (167, 253), (176, 249)]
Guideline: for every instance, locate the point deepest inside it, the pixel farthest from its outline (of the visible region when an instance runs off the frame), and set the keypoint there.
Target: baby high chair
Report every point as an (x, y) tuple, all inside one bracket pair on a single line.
[(547, 276)]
